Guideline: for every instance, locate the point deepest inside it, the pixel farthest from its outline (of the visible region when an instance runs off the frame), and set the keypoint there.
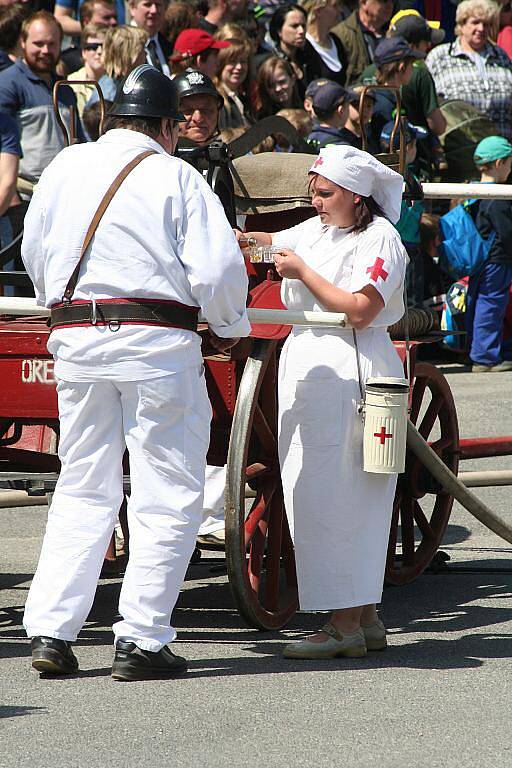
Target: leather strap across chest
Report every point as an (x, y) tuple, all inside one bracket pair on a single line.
[(114, 312), (93, 226)]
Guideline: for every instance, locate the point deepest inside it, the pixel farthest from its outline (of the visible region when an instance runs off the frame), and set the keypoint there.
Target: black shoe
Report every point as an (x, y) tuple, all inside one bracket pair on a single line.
[(53, 656), (133, 663)]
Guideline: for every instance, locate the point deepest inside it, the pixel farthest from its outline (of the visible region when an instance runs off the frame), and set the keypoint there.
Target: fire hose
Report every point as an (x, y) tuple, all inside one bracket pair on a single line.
[(454, 486)]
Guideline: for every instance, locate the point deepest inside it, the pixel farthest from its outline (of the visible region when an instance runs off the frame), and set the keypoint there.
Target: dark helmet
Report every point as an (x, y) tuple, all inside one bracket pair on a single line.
[(192, 82), (146, 92)]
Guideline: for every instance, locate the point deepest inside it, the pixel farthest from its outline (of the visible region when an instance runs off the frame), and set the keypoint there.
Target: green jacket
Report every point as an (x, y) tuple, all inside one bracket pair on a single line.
[(351, 36)]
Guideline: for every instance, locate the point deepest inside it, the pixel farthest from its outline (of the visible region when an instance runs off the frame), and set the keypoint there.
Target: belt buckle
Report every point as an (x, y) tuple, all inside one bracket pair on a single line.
[(94, 314)]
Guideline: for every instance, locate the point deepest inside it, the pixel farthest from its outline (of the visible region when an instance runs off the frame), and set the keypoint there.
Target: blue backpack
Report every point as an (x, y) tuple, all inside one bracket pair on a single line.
[(454, 314), (463, 250)]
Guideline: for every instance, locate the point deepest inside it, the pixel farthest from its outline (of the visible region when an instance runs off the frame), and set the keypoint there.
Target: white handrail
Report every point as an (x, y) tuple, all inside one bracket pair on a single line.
[(17, 305), (445, 191), (297, 317)]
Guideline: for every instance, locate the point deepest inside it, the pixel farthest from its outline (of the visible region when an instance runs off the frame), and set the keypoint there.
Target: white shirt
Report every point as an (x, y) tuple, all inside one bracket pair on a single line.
[(163, 236), (349, 261), (328, 55)]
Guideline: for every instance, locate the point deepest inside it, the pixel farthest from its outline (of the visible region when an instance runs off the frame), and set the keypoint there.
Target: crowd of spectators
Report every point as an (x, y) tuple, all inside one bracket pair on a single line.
[(308, 63)]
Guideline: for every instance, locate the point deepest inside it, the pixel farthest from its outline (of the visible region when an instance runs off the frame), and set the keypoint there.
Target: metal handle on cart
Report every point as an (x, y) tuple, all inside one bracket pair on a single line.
[(388, 158), (70, 135)]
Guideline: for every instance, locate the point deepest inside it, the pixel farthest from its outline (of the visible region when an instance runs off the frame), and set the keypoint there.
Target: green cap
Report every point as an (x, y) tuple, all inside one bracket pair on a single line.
[(492, 148)]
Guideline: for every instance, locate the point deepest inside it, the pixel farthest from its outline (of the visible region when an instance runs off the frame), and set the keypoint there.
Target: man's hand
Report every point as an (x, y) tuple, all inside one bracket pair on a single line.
[(222, 345), (288, 264), (243, 240), (239, 236)]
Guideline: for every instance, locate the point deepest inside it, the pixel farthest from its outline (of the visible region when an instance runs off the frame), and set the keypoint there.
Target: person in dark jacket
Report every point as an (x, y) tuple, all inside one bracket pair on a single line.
[(352, 131), (419, 97), (361, 32), (323, 52), (394, 59), (287, 30), (489, 289), (200, 103)]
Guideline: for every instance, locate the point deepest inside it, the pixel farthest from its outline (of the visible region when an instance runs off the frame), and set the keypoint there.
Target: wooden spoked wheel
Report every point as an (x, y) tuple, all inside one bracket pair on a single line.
[(259, 550), (422, 508)]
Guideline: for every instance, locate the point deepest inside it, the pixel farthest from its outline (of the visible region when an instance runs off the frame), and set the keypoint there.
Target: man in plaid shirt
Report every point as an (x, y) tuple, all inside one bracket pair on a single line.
[(474, 69)]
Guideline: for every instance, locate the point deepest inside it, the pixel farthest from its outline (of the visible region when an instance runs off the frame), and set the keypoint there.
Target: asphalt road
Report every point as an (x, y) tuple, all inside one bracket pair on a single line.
[(439, 696)]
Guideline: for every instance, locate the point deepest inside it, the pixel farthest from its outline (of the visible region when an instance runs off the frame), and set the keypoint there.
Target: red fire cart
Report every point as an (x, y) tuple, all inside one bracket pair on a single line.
[(242, 389)]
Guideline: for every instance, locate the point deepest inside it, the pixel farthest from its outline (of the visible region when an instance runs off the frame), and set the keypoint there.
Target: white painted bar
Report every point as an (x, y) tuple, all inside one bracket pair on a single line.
[(19, 305), (486, 479), (445, 191), (296, 317)]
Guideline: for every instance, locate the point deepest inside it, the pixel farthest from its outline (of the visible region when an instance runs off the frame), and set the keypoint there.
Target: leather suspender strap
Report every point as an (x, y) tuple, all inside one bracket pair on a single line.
[(111, 191)]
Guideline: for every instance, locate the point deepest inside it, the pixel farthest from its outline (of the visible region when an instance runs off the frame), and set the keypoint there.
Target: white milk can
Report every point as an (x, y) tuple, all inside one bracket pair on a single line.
[(385, 425)]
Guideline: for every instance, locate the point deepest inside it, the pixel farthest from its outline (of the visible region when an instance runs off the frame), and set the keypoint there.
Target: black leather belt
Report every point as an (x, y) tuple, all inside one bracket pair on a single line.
[(115, 312)]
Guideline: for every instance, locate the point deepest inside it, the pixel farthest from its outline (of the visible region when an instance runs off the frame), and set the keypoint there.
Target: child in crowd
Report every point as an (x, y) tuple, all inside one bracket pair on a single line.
[(302, 123), (489, 288), (408, 225), (394, 59), (435, 280), (352, 131), (310, 92), (91, 119), (330, 105)]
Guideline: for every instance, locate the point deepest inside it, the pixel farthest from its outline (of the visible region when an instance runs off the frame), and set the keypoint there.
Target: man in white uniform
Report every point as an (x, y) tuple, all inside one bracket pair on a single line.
[(129, 369)]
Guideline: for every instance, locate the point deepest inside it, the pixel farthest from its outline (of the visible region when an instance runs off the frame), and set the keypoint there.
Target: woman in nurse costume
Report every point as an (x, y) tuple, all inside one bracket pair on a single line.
[(348, 259)]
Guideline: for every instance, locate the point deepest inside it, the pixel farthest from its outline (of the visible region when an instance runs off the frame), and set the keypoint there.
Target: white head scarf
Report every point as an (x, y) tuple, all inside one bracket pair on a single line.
[(363, 174)]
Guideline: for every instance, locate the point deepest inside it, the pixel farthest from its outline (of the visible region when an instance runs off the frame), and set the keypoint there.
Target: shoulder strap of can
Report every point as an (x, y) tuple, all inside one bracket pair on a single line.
[(111, 191)]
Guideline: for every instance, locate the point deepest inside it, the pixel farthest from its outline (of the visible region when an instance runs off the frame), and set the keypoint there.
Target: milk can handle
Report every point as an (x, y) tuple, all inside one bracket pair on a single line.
[(360, 378), (407, 355)]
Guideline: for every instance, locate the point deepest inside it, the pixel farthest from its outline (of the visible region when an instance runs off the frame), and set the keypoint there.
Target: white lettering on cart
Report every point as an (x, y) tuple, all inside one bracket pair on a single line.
[(37, 372)]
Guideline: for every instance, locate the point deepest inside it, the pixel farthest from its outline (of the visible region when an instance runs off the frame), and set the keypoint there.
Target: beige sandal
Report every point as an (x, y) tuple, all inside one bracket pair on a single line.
[(338, 645), (375, 636)]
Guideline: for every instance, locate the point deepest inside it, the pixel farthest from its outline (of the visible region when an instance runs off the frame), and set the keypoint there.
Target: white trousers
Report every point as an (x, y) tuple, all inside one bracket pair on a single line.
[(164, 423), (213, 503)]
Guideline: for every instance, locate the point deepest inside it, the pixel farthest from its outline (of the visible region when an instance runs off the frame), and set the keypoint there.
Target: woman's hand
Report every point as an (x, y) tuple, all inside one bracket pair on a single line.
[(288, 264)]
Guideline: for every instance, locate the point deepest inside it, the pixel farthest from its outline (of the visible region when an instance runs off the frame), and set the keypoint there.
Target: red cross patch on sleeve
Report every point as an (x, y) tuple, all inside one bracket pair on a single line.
[(376, 271)]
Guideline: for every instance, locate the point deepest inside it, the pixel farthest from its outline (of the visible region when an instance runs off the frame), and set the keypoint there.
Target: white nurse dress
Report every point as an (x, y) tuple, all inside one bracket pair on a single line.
[(339, 516)]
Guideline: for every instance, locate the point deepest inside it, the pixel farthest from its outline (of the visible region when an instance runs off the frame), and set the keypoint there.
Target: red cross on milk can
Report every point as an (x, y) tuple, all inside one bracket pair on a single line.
[(382, 435)]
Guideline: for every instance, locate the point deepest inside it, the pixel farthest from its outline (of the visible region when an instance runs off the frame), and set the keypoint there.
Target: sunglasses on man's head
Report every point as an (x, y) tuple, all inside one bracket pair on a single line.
[(92, 46)]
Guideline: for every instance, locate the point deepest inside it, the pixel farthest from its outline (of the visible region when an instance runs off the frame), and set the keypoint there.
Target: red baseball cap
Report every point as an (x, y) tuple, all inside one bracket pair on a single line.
[(191, 42)]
